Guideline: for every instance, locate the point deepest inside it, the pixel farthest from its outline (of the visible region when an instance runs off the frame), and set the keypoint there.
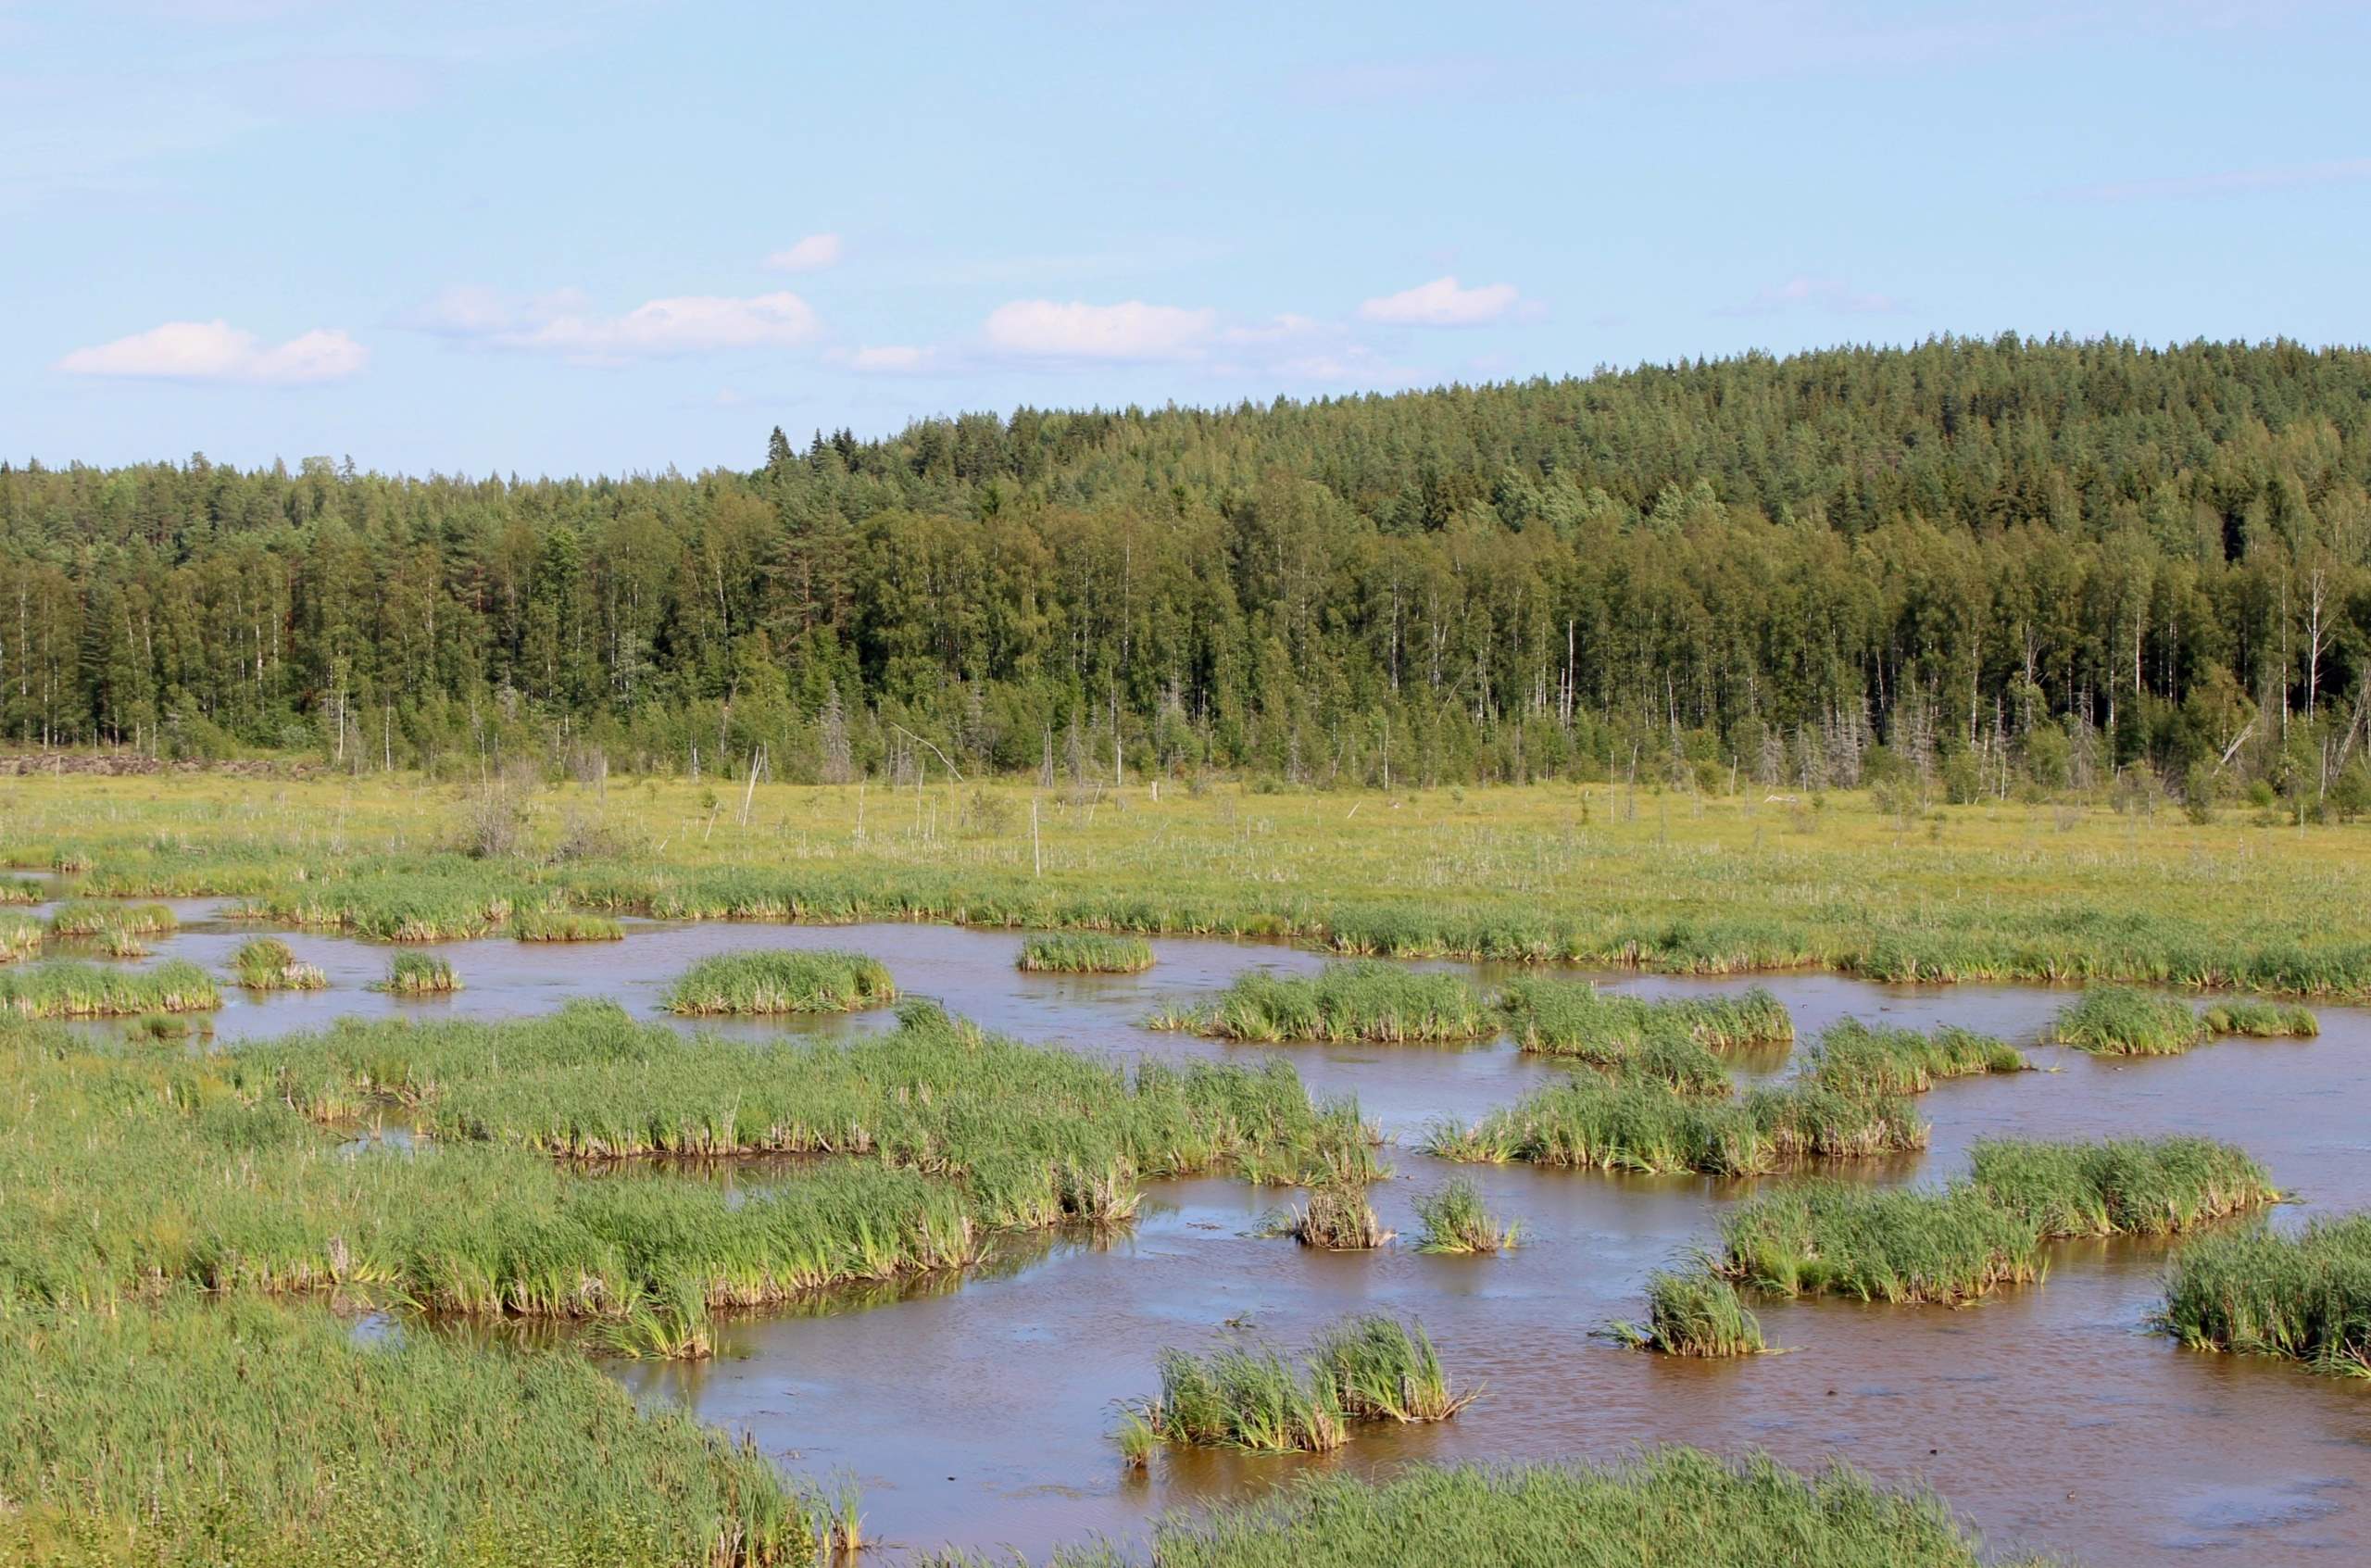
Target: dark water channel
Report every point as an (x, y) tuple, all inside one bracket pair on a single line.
[(978, 1412)]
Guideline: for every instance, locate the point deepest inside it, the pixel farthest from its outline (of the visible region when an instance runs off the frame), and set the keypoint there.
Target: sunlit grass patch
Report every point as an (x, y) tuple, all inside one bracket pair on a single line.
[(266, 964), (1642, 1126), (419, 975), (1085, 953), (1455, 1219), (1858, 1058), (1693, 1312), (2304, 1298), (1365, 1000), (547, 924), (64, 988), (782, 981), (2118, 1021)]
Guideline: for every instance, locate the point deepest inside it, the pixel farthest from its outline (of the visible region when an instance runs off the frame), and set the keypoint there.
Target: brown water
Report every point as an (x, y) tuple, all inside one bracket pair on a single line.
[(978, 1412)]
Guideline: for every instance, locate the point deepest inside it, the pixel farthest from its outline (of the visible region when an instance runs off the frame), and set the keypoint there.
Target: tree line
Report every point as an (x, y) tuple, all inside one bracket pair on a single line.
[(1999, 564)]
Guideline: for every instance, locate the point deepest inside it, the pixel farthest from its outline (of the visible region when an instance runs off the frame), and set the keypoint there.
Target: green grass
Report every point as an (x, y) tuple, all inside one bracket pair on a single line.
[(1667, 1507), (1573, 1018), (2304, 1298), (94, 917), (1693, 1312), (419, 975), (63, 988), (782, 981), (1362, 1000), (678, 1327), (1253, 1396), (1336, 1217), (266, 964), (1853, 1058), (20, 936), (1960, 1242), (546, 925), (1455, 1219), (197, 1433), (2118, 1020), (1649, 1127), (1085, 953), (2257, 1019)]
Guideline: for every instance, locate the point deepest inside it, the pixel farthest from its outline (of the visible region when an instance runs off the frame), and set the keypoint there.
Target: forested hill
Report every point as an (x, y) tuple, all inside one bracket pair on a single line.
[(1999, 561)]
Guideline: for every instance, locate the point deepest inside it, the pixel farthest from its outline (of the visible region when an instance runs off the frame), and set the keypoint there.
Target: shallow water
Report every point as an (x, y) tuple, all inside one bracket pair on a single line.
[(980, 1413)]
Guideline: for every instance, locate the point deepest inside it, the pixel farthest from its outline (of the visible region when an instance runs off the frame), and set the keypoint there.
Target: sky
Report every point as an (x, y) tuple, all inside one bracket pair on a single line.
[(609, 236)]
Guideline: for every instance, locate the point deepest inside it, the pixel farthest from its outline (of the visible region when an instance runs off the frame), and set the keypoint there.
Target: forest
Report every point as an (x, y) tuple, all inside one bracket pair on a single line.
[(2001, 566)]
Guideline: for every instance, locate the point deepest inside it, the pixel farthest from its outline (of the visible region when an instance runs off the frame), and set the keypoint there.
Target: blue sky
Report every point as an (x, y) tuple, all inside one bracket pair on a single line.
[(602, 237)]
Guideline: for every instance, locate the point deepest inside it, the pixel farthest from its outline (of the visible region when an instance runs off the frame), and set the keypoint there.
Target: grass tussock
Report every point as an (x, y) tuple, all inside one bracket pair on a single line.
[(63, 988), (2304, 1297), (546, 925), (266, 964), (1958, 1244), (1455, 1219), (1649, 1127), (20, 937), (419, 975), (99, 917), (2256, 1018), (1693, 1312), (1667, 1506), (1336, 1217), (1572, 1018), (1253, 1396), (207, 1431), (1362, 1000), (2119, 1020), (1085, 952), (1853, 1058), (782, 981)]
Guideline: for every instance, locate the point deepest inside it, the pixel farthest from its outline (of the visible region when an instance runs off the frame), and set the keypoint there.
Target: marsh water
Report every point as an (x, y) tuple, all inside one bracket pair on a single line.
[(978, 1410)]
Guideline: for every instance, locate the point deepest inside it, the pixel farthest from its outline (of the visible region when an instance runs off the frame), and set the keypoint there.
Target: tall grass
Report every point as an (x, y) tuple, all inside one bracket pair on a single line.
[(782, 981), (1573, 1018), (1853, 1058), (2118, 1021), (548, 925), (1960, 1242), (1253, 1395), (20, 936), (2304, 1297), (95, 917), (266, 964), (1665, 1506), (1336, 1217), (198, 1432), (1456, 1220), (1085, 953), (1649, 1127), (63, 988), (419, 975), (1365, 1000), (2260, 1019), (1693, 1312)]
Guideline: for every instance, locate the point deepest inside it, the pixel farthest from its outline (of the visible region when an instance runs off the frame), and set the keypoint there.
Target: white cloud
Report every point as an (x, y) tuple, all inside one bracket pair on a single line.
[(1442, 302), (1043, 328), (811, 254), (565, 323), (216, 351), (2229, 182), (890, 357), (1831, 296)]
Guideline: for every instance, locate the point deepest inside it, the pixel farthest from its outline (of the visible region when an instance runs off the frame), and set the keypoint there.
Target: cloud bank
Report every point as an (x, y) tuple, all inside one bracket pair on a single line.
[(218, 352)]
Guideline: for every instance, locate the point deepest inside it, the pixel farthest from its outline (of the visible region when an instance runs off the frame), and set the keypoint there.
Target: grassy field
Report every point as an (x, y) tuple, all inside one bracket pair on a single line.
[(1601, 873)]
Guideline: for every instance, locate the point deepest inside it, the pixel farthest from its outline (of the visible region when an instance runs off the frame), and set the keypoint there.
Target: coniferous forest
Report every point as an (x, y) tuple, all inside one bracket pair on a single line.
[(2006, 565)]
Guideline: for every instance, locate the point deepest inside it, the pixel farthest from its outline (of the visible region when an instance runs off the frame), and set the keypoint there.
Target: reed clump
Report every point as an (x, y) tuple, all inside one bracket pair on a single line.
[(1085, 952), (194, 1431), (1336, 1217), (1252, 1396), (548, 925), (2119, 1020), (98, 917), (2256, 1018), (782, 981), (1649, 1127), (65, 988), (419, 975), (1693, 1312), (1853, 1058), (20, 937), (2124, 1187), (1455, 1219), (1667, 1506), (1365, 1000), (266, 964), (2304, 1297), (1572, 1018)]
